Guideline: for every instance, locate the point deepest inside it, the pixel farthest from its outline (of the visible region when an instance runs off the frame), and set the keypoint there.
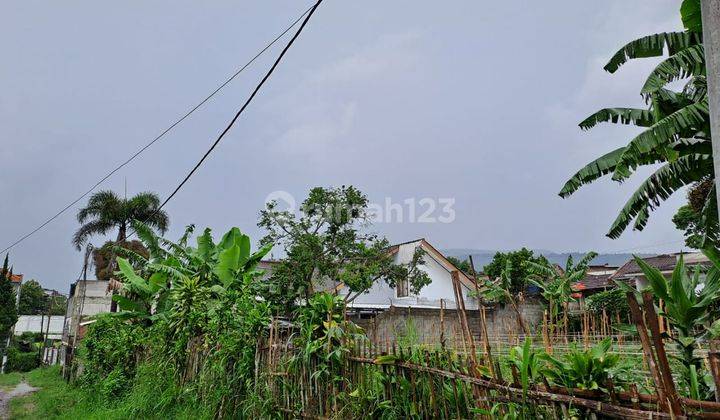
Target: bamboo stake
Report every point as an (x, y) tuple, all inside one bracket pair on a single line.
[(647, 349), (663, 364)]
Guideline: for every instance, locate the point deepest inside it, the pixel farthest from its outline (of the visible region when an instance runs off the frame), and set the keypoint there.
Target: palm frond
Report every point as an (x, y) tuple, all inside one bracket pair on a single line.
[(652, 46), (688, 119), (636, 116), (602, 166), (686, 63), (659, 187)]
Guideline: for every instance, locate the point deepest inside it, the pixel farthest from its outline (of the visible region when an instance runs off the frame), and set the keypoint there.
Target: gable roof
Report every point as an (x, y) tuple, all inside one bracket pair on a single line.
[(465, 279), (16, 278), (665, 263)]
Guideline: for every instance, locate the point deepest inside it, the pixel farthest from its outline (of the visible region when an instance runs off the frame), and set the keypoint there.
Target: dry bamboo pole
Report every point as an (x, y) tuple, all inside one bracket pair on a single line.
[(664, 366), (442, 323), (647, 349), (714, 366)]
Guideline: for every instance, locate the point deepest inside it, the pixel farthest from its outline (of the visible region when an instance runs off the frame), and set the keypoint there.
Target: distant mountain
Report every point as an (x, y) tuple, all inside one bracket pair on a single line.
[(481, 257)]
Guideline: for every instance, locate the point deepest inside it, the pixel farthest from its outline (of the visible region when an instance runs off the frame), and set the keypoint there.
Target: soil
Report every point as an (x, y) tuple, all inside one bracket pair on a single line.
[(23, 388)]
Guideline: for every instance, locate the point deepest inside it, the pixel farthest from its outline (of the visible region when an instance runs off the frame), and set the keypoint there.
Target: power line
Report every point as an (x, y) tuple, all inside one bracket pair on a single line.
[(162, 134), (242, 109)]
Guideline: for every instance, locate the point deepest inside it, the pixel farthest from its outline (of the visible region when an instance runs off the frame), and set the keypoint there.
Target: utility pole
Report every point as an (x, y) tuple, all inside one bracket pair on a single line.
[(711, 41)]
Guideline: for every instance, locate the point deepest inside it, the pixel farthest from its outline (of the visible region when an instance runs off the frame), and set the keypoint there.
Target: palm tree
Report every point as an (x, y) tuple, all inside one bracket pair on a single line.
[(677, 127), (106, 211)]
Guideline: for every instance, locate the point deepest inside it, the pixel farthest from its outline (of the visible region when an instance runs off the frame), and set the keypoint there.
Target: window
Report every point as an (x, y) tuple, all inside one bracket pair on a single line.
[(402, 288)]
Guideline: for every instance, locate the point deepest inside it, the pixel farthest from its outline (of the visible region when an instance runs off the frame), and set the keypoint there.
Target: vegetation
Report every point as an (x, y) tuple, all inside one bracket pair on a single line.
[(103, 256), (676, 127), (611, 301), (555, 282), (518, 269), (8, 308), (329, 244), (106, 211), (689, 218)]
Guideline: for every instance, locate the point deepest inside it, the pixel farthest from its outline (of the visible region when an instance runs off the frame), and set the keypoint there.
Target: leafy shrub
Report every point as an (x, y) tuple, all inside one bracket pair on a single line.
[(18, 361), (584, 369), (613, 301)]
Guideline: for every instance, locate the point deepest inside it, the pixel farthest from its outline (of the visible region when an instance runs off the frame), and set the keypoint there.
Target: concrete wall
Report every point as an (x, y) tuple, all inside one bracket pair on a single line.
[(33, 323), (423, 324), (89, 298)]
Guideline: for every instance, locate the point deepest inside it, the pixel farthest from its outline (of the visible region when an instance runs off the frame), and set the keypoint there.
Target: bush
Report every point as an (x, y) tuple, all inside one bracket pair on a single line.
[(18, 361), (613, 301)]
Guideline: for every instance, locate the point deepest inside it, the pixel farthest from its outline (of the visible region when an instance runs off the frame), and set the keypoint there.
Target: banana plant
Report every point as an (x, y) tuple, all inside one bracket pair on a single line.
[(173, 270), (584, 369), (556, 284), (688, 300)]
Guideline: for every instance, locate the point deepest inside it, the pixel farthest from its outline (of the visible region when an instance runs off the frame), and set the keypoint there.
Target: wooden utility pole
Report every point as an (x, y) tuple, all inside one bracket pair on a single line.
[(711, 42)]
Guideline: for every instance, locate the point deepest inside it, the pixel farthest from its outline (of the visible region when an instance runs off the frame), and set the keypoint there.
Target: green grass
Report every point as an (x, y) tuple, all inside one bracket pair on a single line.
[(58, 400), (9, 380), (55, 399)]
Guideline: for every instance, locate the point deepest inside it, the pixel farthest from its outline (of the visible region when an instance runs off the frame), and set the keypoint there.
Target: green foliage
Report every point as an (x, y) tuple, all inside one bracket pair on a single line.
[(33, 300), (584, 369), (556, 283), (462, 265), (103, 256), (106, 211), (676, 126), (518, 271), (697, 218), (8, 310), (328, 245), (613, 301), (530, 363), (688, 299), (18, 361)]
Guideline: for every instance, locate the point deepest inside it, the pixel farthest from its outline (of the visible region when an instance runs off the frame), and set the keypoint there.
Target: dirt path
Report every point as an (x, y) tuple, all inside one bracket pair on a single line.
[(23, 388)]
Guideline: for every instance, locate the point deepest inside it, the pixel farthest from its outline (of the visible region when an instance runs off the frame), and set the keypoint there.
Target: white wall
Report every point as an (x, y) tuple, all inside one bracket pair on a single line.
[(32, 323), (441, 287)]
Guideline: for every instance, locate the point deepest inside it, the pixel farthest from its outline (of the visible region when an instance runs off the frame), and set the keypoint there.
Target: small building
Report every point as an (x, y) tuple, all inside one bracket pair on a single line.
[(391, 313), (86, 298), (39, 324), (631, 273), (597, 279), (16, 281)]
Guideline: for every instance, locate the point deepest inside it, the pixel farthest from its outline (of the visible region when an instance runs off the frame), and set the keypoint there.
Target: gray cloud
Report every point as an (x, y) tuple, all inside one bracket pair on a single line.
[(478, 101)]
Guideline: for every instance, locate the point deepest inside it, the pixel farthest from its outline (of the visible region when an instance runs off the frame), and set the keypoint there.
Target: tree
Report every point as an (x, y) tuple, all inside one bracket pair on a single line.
[(327, 245), (687, 299), (33, 300), (518, 270), (102, 257), (8, 310), (58, 305), (106, 211), (556, 284), (676, 126), (462, 265), (699, 233)]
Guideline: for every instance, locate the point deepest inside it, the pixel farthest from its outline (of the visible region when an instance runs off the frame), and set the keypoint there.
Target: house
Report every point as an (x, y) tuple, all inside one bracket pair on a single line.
[(631, 273), (597, 279), (16, 281), (389, 313), (39, 324), (86, 298)]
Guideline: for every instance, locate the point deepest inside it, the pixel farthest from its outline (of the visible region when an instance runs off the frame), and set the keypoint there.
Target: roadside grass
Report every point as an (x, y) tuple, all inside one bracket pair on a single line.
[(54, 399), (9, 380)]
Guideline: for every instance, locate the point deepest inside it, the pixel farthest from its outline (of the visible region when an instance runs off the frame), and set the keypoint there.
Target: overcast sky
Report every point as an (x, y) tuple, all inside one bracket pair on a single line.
[(473, 100)]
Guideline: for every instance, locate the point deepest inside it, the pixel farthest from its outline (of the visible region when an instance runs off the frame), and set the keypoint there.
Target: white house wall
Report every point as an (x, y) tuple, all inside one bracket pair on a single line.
[(38, 323), (381, 295)]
